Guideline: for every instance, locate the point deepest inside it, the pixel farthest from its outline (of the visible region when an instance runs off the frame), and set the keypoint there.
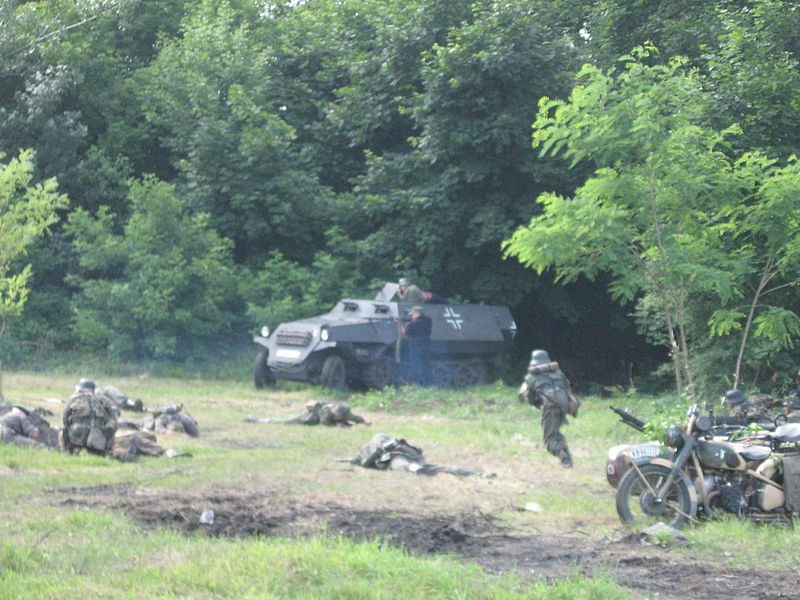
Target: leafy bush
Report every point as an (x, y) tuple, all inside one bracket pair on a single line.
[(161, 285)]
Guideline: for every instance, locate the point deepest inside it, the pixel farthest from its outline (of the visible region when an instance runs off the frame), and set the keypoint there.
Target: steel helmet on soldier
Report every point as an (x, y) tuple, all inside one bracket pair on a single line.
[(540, 357), (734, 397), (85, 385), (792, 402), (403, 281)]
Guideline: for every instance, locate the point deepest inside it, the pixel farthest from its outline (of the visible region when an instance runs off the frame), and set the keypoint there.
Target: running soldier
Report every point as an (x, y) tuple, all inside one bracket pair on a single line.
[(548, 389)]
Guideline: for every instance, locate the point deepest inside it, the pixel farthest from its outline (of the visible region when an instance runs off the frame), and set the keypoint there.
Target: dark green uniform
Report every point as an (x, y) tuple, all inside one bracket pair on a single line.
[(16, 427), (385, 452), (547, 388), (320, 413)]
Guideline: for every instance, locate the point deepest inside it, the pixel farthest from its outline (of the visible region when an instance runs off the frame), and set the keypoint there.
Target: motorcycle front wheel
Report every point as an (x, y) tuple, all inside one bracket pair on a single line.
[(640, 504)]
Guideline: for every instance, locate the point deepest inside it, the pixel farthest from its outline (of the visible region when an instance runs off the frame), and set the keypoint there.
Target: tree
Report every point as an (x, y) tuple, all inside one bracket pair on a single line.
[(765, 233), (219, 101), (163, 287), (27, 210), (648, 214)]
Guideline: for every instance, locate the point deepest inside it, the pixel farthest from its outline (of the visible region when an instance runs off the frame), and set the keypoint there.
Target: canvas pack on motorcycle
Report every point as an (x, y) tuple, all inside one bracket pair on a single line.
[(791, 482)]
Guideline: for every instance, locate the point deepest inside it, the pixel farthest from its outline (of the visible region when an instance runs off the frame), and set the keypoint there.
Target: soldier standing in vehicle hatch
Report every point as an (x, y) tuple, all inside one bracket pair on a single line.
[(548, 389), (408, 292)]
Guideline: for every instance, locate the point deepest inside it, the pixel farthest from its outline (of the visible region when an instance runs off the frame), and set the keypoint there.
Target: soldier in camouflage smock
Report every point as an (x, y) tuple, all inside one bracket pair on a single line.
[(548, 389), (383, 452), (170, 419), (791, 408), (89, 421), (750, 409)]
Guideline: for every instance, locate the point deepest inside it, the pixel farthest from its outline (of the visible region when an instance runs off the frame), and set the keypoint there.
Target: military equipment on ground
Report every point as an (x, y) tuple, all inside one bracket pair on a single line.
[(358, 344)]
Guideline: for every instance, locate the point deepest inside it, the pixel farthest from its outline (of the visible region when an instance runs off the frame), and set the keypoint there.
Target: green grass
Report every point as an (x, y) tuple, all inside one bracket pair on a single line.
[(100, 554), (49, 550)]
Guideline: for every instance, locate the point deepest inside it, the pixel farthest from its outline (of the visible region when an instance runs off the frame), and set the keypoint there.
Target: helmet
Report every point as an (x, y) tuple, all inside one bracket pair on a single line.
[(540, 357), (792, 402), (417, 309), (85, 385), (734, 397), (403, 281)]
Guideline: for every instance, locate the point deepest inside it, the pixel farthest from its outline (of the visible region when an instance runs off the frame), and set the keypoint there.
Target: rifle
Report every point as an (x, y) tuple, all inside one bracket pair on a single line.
[(629, 419)]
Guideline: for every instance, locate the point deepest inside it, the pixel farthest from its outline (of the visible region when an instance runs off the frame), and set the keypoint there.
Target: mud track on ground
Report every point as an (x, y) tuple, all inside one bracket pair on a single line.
[(646, 570)]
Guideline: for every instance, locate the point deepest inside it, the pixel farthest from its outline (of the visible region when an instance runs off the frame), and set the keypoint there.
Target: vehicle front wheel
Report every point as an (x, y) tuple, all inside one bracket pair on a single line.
[(262, 374), (333, 373), (642, 502)]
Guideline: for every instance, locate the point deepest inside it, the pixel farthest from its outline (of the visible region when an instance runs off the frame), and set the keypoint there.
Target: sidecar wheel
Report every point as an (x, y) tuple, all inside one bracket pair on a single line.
[(638, 506)]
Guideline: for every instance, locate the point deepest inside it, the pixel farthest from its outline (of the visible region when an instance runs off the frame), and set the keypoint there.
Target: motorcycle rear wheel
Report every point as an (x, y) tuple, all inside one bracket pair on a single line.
[(639, 506)]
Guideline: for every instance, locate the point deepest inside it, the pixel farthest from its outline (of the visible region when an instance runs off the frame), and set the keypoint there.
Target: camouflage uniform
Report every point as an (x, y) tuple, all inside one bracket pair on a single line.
[(548, 389), (130, 443), (17, 427), (89, 422), (384, 452), (791, 408), (171, 419), (329, 414), (750, 409)]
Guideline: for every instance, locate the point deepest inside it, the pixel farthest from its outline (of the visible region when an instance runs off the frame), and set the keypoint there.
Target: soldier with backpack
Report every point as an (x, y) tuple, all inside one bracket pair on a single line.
[(548, 389), (89, 421)]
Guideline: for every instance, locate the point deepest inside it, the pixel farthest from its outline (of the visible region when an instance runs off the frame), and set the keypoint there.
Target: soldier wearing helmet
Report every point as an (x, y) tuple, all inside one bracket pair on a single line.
[(90, 421), (329, 414), (791, 408), (548, 389), (750, 408), (408, 292)]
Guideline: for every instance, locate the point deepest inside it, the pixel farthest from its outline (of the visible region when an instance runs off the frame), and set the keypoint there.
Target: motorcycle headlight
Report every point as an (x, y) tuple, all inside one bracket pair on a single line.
[(324, 334), (265, 331), (673, 436)]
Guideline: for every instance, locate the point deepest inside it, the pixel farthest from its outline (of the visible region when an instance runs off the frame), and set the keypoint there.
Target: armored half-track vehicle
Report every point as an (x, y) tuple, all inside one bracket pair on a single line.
[(359, 344)]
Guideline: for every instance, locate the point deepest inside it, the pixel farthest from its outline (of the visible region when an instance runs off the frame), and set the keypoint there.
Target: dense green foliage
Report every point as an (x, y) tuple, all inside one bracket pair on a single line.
[(317, 147), (667, 213)]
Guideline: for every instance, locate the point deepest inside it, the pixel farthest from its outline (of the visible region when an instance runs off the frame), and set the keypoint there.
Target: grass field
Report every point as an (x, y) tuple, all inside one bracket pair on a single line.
[(294, 523)]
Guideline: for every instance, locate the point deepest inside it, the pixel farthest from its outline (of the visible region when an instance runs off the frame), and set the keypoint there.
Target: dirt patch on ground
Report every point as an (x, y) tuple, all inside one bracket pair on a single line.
[(473, 536)]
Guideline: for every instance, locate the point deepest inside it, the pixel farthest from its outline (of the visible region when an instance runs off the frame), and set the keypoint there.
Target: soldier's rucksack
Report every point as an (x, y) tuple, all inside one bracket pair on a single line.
[(546, 381), (88, 423)]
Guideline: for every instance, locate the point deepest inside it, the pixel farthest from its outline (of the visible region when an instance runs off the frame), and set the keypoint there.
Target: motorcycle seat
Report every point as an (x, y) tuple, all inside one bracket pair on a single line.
[(757, 453), (788, 433)]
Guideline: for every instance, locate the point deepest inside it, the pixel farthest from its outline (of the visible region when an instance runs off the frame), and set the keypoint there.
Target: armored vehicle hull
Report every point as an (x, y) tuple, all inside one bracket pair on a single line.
[(358, 344)]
